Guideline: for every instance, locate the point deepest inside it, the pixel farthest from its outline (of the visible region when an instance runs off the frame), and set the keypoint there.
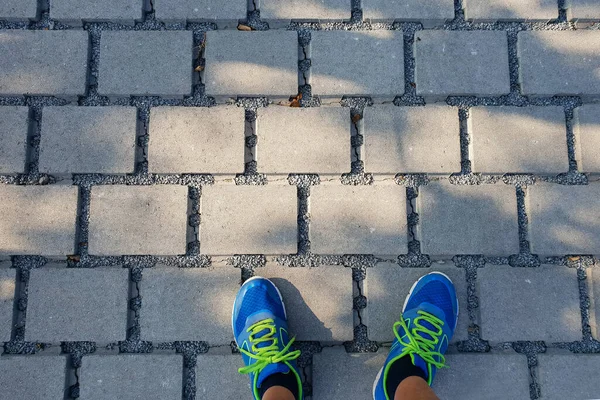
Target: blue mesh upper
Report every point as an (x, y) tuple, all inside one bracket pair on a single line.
[(436, 293), (261, 296)]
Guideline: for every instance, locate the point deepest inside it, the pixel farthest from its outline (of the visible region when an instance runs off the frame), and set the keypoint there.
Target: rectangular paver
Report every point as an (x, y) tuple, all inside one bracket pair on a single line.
[(518, 139), (587, 134), (564, 219), (584, 10), (559, 63), (88, 140), (429, 12), (43, 62), (33, 377), (545, 298), (7, 296), (386, 288), (38, 220), (278, 13), (251, 63), (358, 220), (464, 219), (248, 220), (510, 10), (318, 301), (78, 11), (461, 63), (229, 11), (411, 139), (196, 140), (126, 69), (211, 369), (67, 314), (188, 304), (130, 220), (148, 376), (303, 140), (369, 63), (568, 376), (594, 295), (14, 122), (17, 10)]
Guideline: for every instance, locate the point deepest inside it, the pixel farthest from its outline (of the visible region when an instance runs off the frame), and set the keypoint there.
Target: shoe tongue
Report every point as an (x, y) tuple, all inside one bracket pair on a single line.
[(272, 369)]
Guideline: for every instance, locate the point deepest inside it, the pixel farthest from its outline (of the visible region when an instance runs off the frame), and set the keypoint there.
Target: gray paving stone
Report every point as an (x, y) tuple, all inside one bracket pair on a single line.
[(14, 123), (229, 11), (495, 376), (149, 376), (146, 63), (196, 140), (559, 63), (43, 62), (358, 220), (248, 220), (519, 139), (584, 10), (88, 140), (429, 12), (188, 304), (338, 375), (564, 219), (546, 299), (303, 140), (251, 63), (7, 296), (411, 139), (318, 301), (461, 63), (276, 12), (594, 295), (78, 11), (37, 220), (386, 288), (68, 304), (211, 369), (15, 10), (369, 63), (460, 219), (568, 376), (134, 220), (510, 10), (587, 137), (33, 377)]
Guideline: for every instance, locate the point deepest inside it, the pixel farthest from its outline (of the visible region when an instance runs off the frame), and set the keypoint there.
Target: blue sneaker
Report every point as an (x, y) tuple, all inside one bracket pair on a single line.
[(427, 324), (260, 329)]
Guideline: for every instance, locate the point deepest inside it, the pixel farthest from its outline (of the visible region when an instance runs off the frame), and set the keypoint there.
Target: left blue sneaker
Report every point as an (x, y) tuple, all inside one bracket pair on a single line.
[(260, 329)]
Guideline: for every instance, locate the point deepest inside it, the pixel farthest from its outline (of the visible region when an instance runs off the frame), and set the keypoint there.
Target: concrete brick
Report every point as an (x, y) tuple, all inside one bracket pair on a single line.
[(510, 10), (587, 137), (134, 220), (125, 68), (251, 63), (358, 220), (188, 304), (60, 306), (564, 219), (369, 63), (429, 12), (7, 296), (229, 11), (303, 10), (13, 139), (594, 295), (59, 59), (88, 140), (339, 375), (78, 11), (220, 368), (15, 10), (400, 139), (248, 220), (519, 139), (33, 377), (461, 63), (491, 376), (303, 140), (460, 219), (319, 301), (584, 10), (568, 376), (546, 299), (196, 140), (149, 376), (37, 220), (559, 63), (386, 288)]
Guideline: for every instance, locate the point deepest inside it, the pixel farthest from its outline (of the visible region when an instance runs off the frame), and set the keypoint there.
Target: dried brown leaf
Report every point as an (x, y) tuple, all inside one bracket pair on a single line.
[(356, 118), (242, 27)]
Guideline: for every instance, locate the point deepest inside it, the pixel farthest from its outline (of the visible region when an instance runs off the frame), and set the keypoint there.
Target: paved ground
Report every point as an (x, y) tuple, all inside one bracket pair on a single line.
[(153, 156)]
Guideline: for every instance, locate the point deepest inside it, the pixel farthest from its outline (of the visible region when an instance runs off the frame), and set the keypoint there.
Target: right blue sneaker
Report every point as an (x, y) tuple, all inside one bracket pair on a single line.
[(427, 324)]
